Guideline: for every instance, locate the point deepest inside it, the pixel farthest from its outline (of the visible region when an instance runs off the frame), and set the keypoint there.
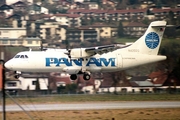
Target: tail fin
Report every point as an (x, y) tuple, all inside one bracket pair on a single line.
[(150, 42)]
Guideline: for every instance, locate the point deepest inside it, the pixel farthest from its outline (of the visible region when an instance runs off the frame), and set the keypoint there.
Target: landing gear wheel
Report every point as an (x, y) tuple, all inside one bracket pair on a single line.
[(86, 76), (17, 76), (73, 77)]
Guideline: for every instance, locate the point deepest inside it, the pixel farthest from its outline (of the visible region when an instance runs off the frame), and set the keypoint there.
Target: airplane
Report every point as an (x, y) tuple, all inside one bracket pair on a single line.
[(108, 58)]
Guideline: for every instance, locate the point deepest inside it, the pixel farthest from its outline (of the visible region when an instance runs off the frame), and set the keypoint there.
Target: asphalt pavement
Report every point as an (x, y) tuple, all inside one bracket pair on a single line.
[(94, 106)]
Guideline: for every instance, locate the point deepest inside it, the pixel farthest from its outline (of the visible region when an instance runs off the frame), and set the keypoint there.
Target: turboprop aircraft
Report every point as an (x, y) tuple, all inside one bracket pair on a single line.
[(84, 61)]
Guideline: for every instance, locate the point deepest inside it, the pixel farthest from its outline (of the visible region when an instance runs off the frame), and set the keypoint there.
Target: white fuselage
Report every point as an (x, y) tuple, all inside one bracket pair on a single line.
[(57, 61)]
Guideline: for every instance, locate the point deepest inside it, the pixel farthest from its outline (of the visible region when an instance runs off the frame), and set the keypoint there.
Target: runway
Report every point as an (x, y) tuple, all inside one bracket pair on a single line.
[(93, 106)]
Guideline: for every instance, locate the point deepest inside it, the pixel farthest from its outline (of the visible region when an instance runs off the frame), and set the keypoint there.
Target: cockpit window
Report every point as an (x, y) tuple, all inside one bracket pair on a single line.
[(17, 56), (21, 56), (26, 56)]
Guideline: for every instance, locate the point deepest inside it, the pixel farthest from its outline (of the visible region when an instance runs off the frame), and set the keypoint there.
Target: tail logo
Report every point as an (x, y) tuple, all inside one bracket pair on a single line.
[(152, 40)]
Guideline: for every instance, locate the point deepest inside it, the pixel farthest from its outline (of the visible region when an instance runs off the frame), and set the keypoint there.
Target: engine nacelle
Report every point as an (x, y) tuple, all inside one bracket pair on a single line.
[(79, 53)]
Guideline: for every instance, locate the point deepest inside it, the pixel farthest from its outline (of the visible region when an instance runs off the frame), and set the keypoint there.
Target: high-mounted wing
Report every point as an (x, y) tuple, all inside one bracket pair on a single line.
[(87, 52), (104, 49)]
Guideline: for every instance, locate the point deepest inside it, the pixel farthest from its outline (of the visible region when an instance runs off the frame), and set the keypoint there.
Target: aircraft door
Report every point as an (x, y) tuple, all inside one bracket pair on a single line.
[(119, 61)]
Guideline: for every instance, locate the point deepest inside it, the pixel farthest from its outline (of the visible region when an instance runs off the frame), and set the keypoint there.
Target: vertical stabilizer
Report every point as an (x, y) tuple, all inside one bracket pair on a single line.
[(150, 42)]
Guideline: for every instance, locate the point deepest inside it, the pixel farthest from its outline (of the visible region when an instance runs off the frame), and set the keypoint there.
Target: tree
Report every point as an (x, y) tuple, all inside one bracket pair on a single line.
[(67, 44), (71, 88), (52, 7), (176, 69), (116, 79), (132, 2), (170, 32), (145, 21), (91, 20), (122, 4), (171, 49), (178, 20), (119, 1), (37, 85), (171, 18), (97, 1), (120, 30), (4, 23), (158, 4), (84, 22)]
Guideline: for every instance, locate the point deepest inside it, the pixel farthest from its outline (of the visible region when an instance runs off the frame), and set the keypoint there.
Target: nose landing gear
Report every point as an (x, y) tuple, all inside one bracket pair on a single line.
[(17, 74)]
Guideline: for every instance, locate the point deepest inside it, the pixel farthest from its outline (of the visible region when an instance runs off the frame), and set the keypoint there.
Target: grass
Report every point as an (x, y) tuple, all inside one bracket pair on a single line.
[(95, 98)]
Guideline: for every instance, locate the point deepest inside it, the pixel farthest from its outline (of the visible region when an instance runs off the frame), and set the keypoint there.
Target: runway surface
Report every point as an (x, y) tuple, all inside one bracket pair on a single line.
[(93, 106)]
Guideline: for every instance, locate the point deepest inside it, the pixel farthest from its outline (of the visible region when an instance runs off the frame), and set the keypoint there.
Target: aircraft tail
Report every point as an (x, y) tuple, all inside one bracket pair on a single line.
[(150, 42)]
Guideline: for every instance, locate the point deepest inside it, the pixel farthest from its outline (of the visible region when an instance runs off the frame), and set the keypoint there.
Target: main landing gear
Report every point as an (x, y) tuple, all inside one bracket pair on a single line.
[(86, 76), (73, 77)]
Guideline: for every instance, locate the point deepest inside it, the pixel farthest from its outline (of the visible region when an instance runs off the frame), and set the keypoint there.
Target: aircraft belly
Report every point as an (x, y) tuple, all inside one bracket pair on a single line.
[(109, 70), (71, 70), (101, 69), (132, 60), (94, 69), (21, 65)]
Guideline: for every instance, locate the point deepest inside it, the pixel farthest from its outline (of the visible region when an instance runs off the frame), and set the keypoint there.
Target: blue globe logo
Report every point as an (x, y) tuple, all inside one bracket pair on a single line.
[(152, 40)]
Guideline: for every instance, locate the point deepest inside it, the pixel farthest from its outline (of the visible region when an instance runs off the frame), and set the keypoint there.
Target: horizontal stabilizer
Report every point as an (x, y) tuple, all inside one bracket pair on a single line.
[(158, 24)]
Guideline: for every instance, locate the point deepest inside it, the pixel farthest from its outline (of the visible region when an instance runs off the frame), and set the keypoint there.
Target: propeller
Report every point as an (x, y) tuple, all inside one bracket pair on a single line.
[(69, 53), (68, 48), (41, 47)]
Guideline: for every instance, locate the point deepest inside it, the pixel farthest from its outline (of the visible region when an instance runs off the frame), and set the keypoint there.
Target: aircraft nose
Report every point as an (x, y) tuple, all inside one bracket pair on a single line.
[(8, 65)]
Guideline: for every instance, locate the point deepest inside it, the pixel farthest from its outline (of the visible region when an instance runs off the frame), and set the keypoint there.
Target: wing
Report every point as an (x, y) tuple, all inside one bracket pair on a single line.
[(87, 52), (104, 49)]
